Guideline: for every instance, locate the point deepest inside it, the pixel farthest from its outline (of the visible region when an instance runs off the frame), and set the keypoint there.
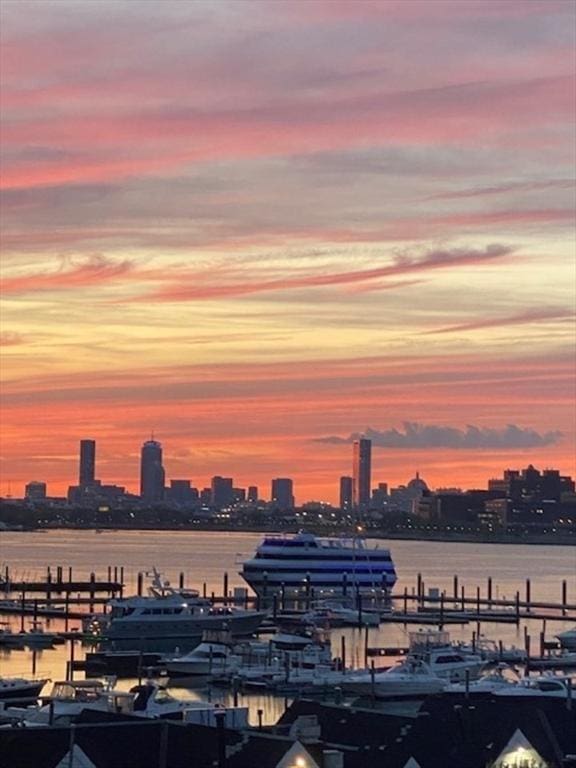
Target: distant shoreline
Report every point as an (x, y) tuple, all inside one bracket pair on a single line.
[(440, 536)]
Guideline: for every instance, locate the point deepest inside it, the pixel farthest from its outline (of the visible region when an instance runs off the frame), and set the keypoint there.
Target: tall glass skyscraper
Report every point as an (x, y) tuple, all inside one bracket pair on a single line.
[(87, 473), (361, 473), (152, 476)]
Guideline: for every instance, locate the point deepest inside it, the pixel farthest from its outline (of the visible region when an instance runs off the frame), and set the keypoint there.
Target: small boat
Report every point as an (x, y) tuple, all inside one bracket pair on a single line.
[(490, 650), (20, 689), (69, 698), (9, 638), (35, 637), (567, 639), (411, 679), (545, 686), (499, 679), (444, 659), (210, 658), (340, 613)]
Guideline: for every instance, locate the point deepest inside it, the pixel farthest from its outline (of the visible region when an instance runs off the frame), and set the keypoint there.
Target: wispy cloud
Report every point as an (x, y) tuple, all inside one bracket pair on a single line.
[(401, 265), (11, 339), (504, 189), (420, 436), (95, 270), (529, 316)]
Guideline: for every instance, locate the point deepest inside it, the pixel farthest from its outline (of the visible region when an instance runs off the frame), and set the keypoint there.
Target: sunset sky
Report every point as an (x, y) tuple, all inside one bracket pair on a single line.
[(259, 228)]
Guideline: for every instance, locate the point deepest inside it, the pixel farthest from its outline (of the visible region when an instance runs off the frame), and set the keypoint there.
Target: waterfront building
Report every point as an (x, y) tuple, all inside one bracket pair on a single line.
[(152, 476), (221, 492), (361, 473), (35, 491), (346, 485), (282, 495), (87, 469), (252, 495)]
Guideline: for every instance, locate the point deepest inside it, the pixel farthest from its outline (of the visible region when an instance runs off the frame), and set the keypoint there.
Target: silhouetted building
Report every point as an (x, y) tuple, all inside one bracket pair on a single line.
[(529, 484), (206, 497), (380, 496), (181, 492), (222, 492), (35, 491), (87, 472), (152, 475), (252, 495), (346, 485), (361, 473), (282, 495)]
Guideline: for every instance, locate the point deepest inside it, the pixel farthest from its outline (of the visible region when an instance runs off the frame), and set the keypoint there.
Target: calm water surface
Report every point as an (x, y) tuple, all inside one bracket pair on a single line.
[(203, 557)]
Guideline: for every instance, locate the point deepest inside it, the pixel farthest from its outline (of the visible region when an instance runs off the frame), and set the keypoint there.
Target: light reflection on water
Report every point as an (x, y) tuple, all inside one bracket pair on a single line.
[(203, 557)]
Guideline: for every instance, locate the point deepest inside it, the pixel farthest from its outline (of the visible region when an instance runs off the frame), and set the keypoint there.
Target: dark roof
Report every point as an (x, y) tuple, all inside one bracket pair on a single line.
[(115, 744), (266, 751), (451, 733), (350, 726)]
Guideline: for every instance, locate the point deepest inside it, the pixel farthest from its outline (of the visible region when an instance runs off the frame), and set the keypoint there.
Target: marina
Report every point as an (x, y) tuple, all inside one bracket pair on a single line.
[(387, 653)]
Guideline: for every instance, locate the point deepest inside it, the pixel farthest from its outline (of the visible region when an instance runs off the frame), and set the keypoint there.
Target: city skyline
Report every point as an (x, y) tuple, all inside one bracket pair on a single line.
[(156, 485), (266, 230)]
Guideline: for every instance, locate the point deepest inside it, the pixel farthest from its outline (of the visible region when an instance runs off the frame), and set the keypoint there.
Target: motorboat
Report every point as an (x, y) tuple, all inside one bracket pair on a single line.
[(410, 679), (567, 639), (167, 619), (499, 679), (69, 698), (490, 650), (35, 637), (544, 686), (304, 564), (9, 638), (444, 659), (20, 689), (340, 613), (210, 658)]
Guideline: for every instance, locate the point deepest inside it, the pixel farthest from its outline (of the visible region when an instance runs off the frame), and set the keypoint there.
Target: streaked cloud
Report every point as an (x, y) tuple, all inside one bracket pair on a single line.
[(543, 314)]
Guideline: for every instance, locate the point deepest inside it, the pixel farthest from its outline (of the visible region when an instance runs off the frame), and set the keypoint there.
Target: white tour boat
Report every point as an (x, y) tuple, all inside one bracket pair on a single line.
[(302, 563)]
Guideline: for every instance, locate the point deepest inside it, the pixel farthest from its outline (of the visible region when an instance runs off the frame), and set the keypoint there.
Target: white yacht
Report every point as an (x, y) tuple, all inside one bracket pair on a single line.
[(545, 686), (303, 562), (407, 680), (167, 619), (209, 659), (445, 660)]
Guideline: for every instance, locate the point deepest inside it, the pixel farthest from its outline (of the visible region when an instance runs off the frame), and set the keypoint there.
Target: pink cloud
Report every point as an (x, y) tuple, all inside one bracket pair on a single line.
[(435, 259), (11, 339), (521, 318), (93, 271), (144, 141)]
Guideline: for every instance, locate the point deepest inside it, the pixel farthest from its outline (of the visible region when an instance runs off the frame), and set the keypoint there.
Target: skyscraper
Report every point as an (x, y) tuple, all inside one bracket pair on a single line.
[(151, 472), (346, 486), (283, 493), (222, 491), (87, 471), (361, 473)]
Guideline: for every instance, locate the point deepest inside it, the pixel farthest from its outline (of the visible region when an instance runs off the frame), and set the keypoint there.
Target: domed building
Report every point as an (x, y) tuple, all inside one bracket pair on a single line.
[(406, 497)]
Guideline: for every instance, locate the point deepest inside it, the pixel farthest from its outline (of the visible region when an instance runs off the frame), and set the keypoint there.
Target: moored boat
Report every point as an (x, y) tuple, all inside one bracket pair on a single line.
[(302, 563)]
